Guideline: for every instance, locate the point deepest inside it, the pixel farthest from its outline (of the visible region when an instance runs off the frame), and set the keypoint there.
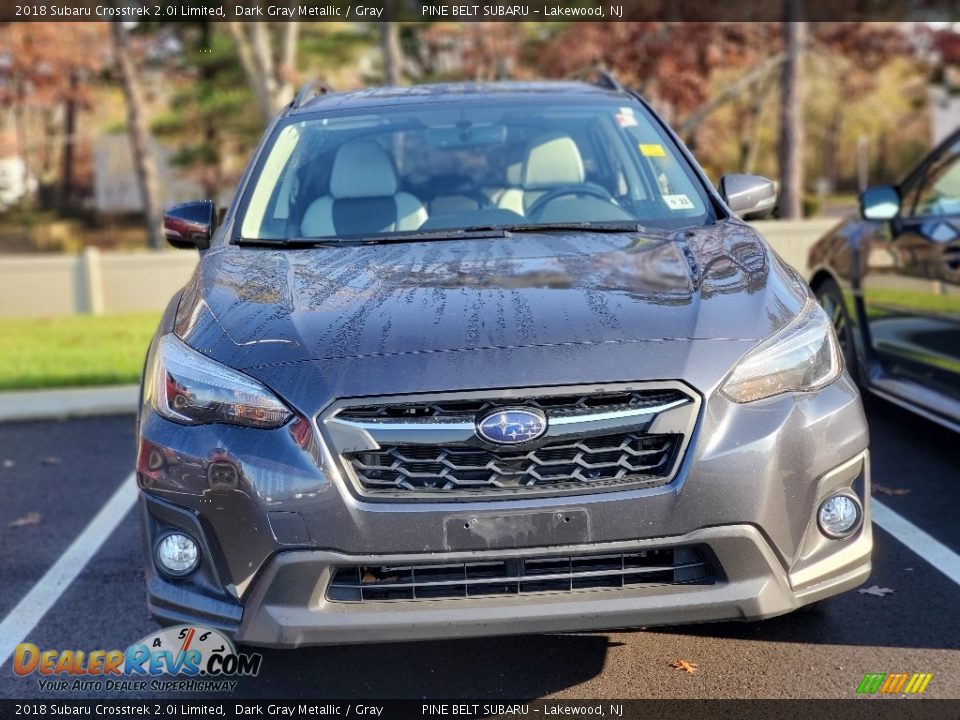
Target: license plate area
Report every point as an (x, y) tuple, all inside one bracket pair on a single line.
[(516, 529)]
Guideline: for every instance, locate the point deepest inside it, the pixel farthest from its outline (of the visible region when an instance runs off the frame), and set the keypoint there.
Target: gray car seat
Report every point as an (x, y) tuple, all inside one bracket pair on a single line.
[(364, 196)]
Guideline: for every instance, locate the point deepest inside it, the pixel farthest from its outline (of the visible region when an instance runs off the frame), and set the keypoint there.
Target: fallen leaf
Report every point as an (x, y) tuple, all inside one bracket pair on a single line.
[(688, 667), (50, 461), (886, 490), (876, 591), (31, 518)]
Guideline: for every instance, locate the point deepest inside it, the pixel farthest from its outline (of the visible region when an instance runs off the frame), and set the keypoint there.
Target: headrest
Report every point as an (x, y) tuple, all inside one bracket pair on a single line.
[(552, 159), (362, 169)]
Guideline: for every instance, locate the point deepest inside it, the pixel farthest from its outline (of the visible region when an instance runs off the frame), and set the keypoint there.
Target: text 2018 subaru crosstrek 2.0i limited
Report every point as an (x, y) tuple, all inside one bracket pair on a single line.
[(469, 360)]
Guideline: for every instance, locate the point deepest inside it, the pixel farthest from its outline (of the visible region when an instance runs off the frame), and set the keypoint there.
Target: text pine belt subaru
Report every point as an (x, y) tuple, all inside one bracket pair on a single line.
[(476, 359)]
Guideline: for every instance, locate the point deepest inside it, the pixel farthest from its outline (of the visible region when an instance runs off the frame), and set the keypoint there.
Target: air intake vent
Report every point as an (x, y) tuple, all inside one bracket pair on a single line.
[(518, 576)]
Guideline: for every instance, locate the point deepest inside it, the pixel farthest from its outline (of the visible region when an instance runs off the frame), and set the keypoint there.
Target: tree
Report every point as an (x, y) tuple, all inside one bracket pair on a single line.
[(46, 73), (143, 160), (390, 44), (206, 116), (791, 117), (270, 77)]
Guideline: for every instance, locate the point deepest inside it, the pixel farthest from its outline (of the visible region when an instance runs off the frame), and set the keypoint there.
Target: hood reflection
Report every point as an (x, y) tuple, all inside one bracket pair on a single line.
[(531, 289)]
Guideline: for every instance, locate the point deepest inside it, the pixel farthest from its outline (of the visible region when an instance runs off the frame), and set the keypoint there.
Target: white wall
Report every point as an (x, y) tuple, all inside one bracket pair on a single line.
[(92, 282), (117, 282)]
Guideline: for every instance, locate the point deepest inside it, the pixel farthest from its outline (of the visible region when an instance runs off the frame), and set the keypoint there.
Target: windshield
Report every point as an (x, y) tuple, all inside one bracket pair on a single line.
[(415, 169)]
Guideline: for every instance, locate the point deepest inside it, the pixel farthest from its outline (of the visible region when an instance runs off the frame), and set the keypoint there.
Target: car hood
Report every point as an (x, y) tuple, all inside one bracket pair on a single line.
[(257, 308)]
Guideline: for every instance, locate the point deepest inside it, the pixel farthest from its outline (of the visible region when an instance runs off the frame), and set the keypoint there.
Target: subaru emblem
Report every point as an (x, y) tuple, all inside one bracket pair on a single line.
[(512, 426)]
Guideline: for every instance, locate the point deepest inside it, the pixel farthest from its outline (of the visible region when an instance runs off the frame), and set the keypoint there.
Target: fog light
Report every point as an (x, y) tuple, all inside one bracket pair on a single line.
[(839, 516), (177, 554)]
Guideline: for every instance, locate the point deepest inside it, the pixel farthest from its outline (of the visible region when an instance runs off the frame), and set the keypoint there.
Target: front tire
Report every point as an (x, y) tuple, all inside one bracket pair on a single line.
[(831, 299)]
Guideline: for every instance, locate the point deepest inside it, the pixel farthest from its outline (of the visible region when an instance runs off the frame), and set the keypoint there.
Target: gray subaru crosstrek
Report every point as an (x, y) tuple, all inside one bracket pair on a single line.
[(477, 359)]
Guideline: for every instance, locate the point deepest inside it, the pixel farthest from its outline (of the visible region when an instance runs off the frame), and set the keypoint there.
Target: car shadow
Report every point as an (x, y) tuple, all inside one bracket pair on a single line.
[(481, 668)]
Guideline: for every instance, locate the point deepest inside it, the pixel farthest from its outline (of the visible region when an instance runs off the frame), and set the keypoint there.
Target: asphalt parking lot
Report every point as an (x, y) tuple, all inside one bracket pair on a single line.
[(67, 470)]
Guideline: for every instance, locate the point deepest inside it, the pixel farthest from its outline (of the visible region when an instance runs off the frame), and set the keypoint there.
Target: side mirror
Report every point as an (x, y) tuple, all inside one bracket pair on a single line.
[(749, 197), (190, 225), (880, 203)]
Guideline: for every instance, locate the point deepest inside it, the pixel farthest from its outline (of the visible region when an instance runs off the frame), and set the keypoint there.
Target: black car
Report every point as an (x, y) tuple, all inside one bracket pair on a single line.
[(890, 280)]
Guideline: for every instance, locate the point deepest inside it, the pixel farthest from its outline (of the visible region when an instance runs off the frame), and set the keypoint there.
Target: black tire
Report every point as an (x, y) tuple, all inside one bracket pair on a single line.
[(831, 299)]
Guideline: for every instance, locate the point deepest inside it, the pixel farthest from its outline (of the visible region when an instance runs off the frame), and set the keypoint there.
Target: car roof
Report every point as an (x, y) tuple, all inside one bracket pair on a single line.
[(457, 92)]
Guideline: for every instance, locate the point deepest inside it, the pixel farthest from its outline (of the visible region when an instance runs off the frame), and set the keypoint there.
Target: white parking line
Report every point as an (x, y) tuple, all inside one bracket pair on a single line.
[(933, 551), (42, 596)]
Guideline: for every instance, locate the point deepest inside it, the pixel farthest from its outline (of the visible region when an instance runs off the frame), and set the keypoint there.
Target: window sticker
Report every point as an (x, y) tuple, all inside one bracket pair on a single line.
[(626, 111), (678, 202), (626, 120), (652, 150)]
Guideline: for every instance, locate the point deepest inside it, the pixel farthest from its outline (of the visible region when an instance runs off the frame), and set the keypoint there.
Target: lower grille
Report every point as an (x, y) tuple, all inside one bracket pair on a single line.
[(643, 459), (686, 565)]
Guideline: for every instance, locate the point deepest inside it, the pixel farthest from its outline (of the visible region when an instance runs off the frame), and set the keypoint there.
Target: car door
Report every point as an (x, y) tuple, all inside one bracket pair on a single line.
[(911, 287)]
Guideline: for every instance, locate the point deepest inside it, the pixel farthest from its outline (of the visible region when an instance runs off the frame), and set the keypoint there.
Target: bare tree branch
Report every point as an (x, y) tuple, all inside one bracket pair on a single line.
[(731, 92), (143, 160), (288, 62), (251, 68)]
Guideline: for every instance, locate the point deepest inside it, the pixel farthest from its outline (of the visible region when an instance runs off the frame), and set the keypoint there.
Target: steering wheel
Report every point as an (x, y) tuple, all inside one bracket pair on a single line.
[(483, 202), (538, 205)]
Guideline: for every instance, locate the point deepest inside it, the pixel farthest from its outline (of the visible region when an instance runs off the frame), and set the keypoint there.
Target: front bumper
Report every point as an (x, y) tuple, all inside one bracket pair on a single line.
[(288, 607), (271, 538)]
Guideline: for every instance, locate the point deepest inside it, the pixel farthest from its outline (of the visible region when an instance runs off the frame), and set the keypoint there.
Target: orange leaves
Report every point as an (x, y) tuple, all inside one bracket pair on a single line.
[(687, 667)]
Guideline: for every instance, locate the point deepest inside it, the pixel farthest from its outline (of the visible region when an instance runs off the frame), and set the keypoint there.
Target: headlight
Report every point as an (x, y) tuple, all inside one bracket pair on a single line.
[(802, 356), (187, 387)]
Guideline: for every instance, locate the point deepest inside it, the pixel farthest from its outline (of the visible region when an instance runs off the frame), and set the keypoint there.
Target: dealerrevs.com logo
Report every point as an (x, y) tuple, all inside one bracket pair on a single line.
[(206, 658)]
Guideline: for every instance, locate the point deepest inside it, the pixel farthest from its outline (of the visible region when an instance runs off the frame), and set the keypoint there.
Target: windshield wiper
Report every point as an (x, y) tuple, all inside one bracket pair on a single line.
[(474, 232), (600, 227), (468, 233)]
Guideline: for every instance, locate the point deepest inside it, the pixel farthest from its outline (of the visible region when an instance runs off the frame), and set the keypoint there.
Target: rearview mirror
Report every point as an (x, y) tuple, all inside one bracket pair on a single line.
[(749, 197), (880, 203), (190, 225)]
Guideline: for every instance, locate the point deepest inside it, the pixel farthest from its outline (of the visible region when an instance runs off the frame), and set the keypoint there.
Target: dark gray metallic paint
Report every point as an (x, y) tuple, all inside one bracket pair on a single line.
[(324, 324)]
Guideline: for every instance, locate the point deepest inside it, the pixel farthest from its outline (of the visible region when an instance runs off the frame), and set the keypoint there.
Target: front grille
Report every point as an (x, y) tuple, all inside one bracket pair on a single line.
[(595, 461), (685, 565), (426, 448), (553, 405)]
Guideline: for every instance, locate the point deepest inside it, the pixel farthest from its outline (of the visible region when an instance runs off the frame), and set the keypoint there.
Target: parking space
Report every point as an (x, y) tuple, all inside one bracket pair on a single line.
[(819, 654)]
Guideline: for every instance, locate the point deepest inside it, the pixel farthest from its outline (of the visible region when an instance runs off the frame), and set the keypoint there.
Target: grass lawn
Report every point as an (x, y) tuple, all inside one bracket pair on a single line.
[(74, 350)]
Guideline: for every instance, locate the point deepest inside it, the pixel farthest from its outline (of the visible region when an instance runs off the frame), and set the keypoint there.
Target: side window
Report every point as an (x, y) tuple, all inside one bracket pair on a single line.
[(939, 191)]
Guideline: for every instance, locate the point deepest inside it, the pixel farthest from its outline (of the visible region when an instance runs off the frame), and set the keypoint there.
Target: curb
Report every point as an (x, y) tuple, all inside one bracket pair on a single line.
[(68, 402)]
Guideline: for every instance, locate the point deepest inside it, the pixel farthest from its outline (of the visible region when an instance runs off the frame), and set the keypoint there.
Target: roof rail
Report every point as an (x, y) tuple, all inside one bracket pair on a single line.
[(607, 79), (310, 90), (601, 77)]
